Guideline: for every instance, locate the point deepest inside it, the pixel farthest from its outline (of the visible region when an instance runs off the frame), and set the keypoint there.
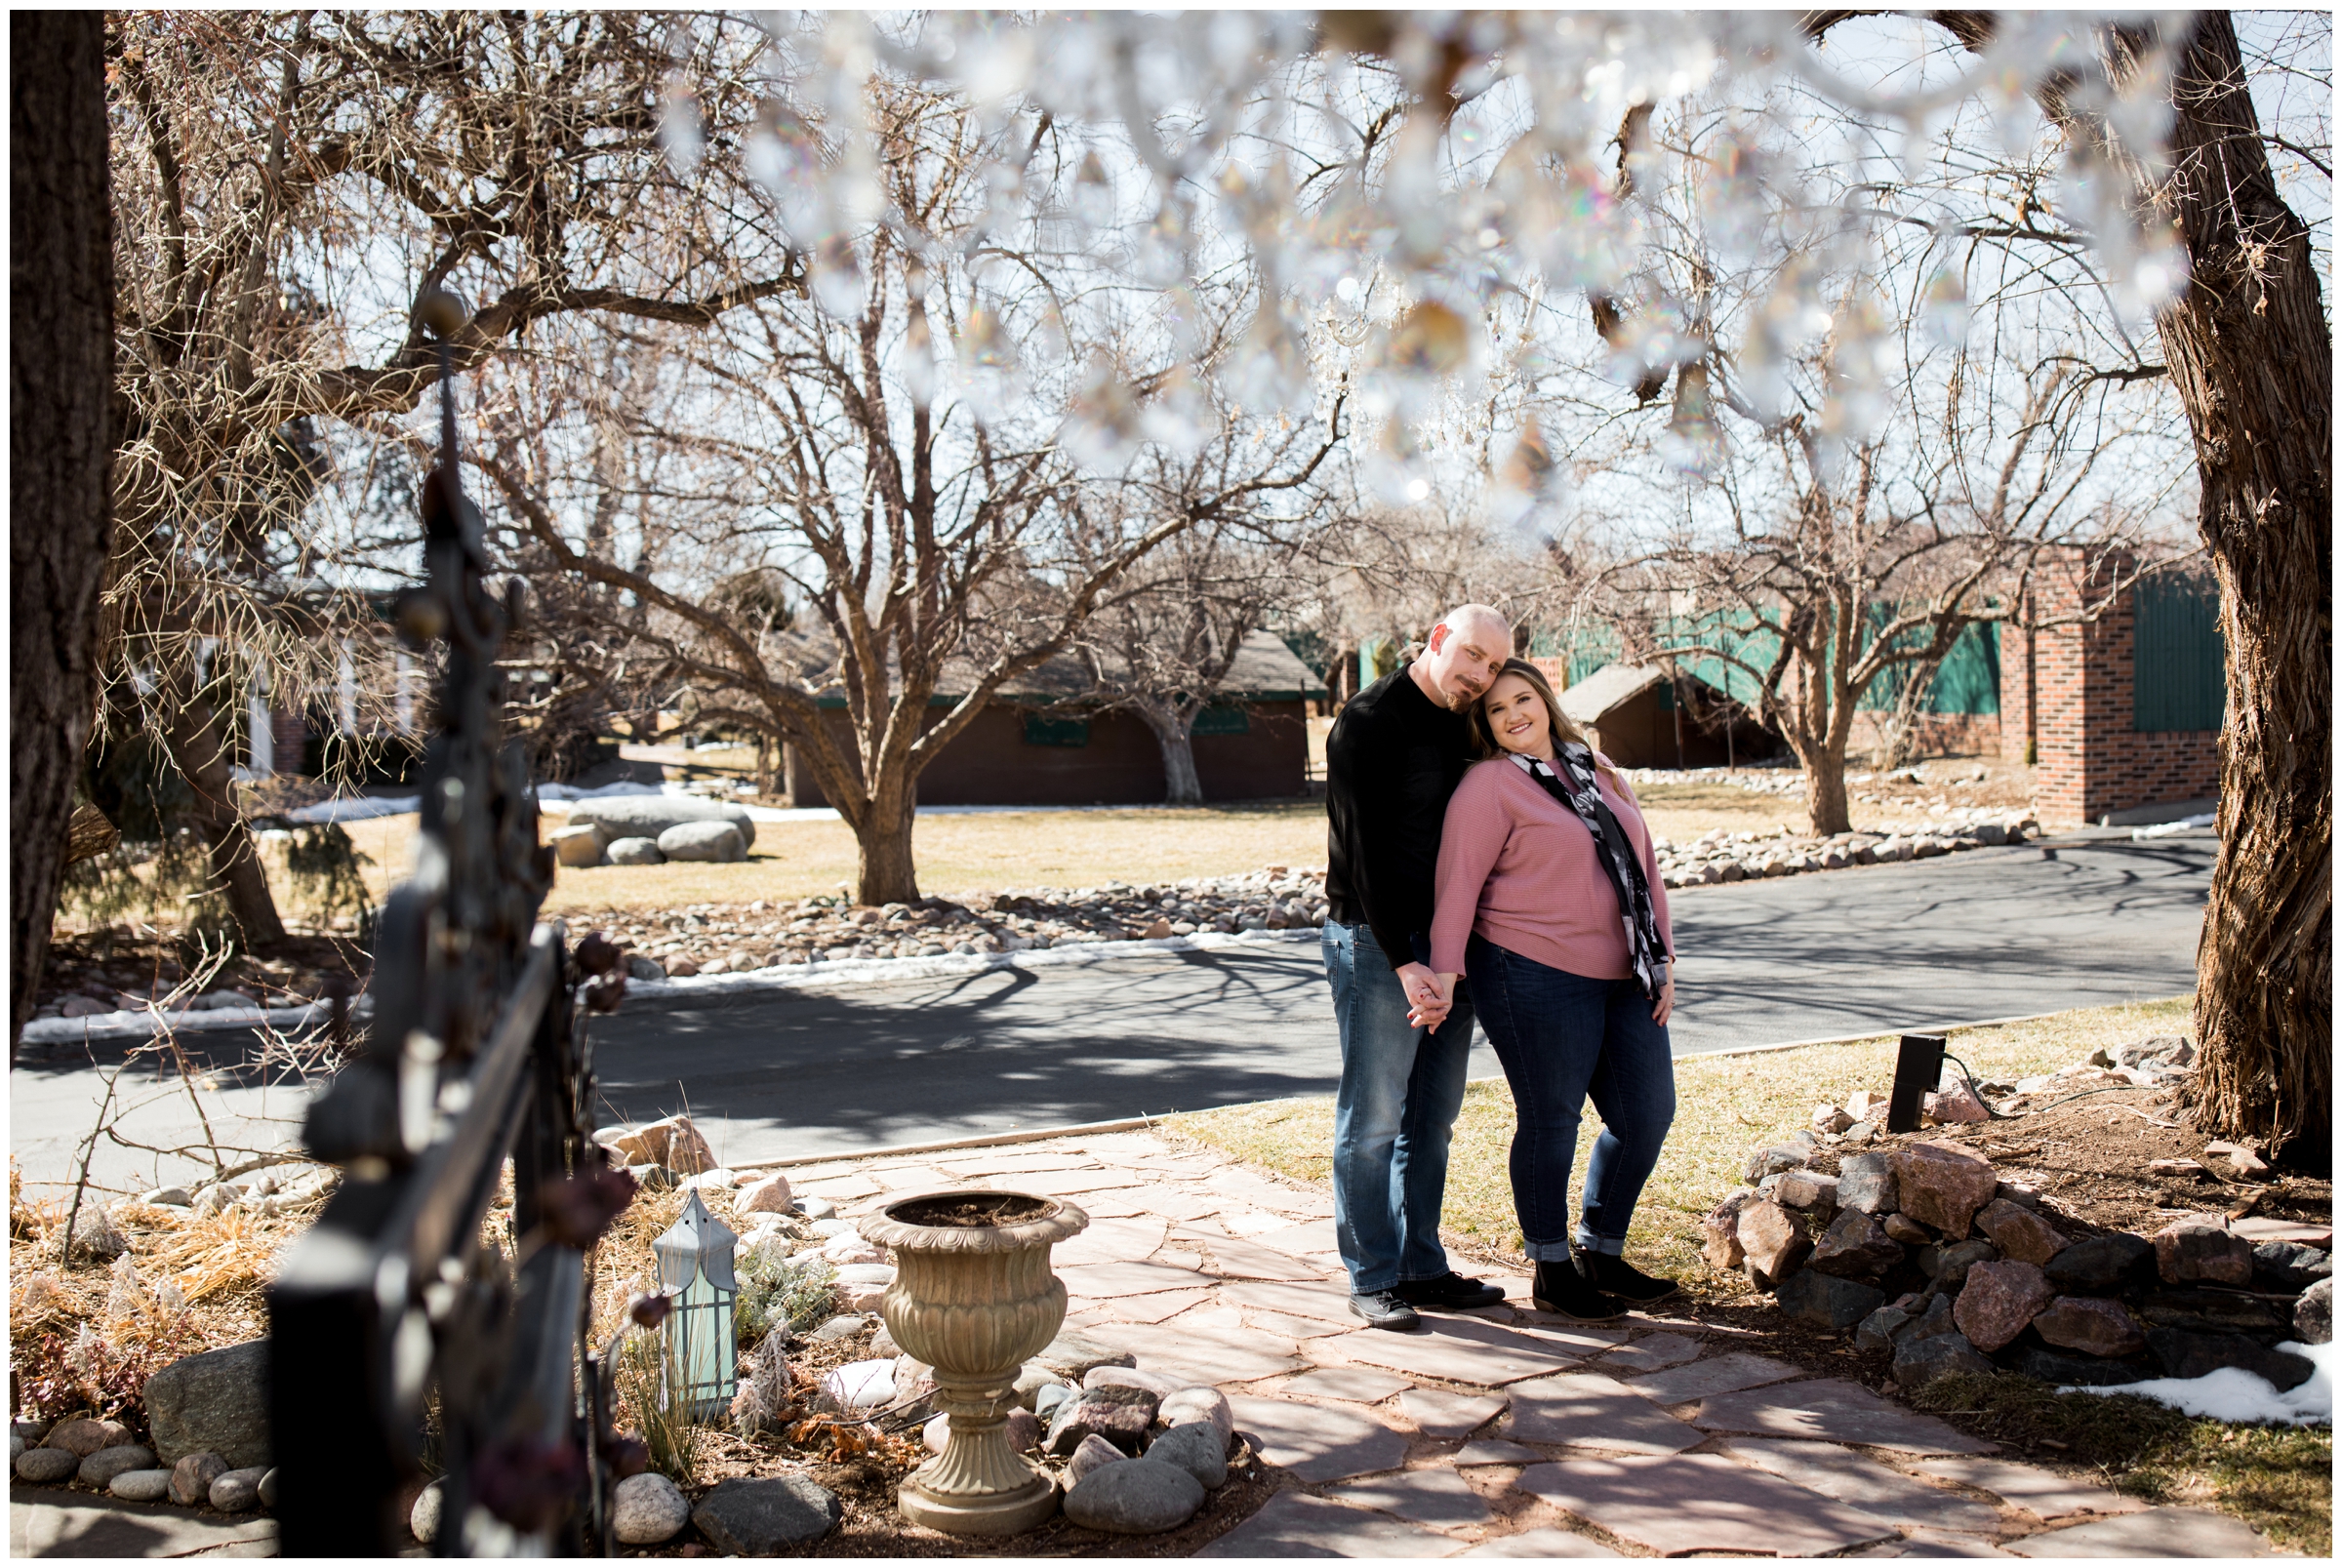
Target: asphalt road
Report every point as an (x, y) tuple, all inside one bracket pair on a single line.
[(1989, 934)]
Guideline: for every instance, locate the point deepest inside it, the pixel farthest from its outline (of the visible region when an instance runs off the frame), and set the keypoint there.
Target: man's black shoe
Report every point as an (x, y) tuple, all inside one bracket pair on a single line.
[(1382, 1308), (1613, 1275), (1451, 1291), (1561, 1288)]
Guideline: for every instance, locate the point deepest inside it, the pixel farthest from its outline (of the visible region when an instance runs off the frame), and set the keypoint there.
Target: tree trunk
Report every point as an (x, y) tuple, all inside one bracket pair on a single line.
[(2253, 360), (199, 749), (1826, 788), (60, 434), (1173, 737), (884, 871)]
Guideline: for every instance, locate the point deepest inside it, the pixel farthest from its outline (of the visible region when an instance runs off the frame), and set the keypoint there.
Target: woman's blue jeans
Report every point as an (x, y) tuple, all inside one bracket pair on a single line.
[(1561, 1038), (1401, 1089)]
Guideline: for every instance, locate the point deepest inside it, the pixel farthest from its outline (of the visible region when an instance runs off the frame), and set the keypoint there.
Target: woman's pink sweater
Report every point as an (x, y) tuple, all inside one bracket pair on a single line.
[(1518, 867)]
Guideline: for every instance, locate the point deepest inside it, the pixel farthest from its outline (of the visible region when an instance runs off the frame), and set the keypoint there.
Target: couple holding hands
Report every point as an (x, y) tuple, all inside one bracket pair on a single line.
[(1484, 859)]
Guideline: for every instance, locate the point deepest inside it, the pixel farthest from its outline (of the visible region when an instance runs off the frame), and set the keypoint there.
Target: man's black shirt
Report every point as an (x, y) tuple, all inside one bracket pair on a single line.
[(1391, 761)]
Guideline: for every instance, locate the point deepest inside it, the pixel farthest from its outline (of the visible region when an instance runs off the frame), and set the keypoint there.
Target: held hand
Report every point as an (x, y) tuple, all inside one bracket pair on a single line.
[(1663, 1009), (1420, 983), (1432, 1012)]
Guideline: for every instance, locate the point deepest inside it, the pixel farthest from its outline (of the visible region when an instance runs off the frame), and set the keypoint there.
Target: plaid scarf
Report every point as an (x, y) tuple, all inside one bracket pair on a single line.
[(1617, 856)]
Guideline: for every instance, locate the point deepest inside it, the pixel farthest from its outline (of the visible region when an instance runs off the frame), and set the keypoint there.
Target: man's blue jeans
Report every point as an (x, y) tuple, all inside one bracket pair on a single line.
[(1563, 1038), (1401, 1089)]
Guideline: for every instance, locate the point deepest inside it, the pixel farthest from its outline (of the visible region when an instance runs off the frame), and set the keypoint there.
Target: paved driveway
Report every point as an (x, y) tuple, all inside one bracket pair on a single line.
[(1989, 934)]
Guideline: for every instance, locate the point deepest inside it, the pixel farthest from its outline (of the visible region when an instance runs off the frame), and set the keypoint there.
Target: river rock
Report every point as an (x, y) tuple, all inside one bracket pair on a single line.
[(1866, 1182), (758, 1517), (100, 1467), (1136, 1498), (191, 1478), (1025, 1429), (2020, 1233), (268, 1488), (625, 816), (213, 1403), (1773, 1242), (647, 1509), (140, 1486), (238, 1491), (1122, 1416), (2314, 1314), (1942, 1185), (2103, 1264), (579, 844), (1827, 1302), (1855, 1247), (46, 1466), (1094, 1454), (1199, 1403), (635, 852), (1155, 1384), (1998, 1300), (2091, 1323), (84, 1437), (1196, 1447), (2202, 1247), (716, 842), (423, 1519)]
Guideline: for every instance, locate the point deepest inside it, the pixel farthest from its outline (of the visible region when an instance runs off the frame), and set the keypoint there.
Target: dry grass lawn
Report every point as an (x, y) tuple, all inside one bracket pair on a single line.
[(996, 850)]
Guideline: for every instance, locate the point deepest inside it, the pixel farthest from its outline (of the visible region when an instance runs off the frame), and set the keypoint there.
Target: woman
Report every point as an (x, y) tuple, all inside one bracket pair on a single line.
[(1550, 901)]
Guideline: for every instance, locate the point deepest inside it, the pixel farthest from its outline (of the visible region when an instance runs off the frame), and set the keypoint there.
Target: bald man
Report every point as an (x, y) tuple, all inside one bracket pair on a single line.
[(1394, 758)]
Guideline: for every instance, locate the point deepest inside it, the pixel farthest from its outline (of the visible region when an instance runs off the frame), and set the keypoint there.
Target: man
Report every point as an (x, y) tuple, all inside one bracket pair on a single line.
[(1394, 758)]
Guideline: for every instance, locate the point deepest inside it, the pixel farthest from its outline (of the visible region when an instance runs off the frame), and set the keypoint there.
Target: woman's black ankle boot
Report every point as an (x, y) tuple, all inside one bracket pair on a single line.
[(1613, 1275), (1561, 1288)]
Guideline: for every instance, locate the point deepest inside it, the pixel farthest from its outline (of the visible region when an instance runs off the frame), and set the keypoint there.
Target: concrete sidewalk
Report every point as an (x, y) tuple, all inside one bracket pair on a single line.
[(50, 1522)]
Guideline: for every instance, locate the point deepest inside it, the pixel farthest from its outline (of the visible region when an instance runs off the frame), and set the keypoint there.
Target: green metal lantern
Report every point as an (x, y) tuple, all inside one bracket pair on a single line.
[(702, 1347)]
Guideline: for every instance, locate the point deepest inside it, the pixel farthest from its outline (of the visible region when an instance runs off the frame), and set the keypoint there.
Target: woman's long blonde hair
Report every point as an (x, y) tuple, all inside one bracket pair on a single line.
[(1483, 737)]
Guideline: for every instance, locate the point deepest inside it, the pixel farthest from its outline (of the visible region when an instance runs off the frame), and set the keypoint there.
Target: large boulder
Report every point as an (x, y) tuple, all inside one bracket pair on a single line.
[(2103, 1264), (2202, 1247), (718, 842), (1942, 1185), (1997, 1301), (579, 844), (2020, 1233), (650, 815), (635, 852), (2091, 1323), (213, 1403), (1855, 1247), (758, 1517), (1825, 1302), (1140, 1496), (1919, 1362)]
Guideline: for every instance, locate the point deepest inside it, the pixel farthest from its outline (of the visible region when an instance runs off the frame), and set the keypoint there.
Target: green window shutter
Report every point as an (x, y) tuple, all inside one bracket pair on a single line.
[(2178, 667), (1222, 719), (1042, 730)]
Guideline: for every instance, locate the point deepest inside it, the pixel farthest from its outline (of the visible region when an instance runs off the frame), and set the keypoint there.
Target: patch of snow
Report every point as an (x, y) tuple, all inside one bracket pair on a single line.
[(2234, 1394), (355, 809), (2165, 830)]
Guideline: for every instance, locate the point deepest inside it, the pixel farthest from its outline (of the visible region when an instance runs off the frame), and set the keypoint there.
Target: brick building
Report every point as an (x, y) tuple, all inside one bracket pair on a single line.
[(2118, 713)]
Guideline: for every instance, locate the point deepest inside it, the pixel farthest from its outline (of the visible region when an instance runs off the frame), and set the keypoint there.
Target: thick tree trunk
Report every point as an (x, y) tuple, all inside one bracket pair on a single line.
[(884, 871), (60, 377), (2253, 360), (1825, 771), (1180, 787), (199, 749)]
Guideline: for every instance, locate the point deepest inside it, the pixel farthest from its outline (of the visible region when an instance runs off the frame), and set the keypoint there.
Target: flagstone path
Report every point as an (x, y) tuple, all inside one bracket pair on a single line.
[(1506, 1432)]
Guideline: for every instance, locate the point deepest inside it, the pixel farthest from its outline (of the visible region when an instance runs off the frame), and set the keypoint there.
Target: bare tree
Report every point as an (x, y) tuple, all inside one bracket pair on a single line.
[(61, 362), (263, 165)]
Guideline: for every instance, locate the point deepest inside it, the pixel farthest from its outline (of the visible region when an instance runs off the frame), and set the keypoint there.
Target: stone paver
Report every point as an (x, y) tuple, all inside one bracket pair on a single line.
[(1869, 1485), (1497, 1451), (1718, 1375), (1934, 1543), (1314, 1240), (1441, 1351), (1202, 1354), (1653, 1352), (1294, 1328), (1835, 1411), (1294, 1524), (1590, 1410), (1156, 1306), (1436, 1413), (1100, 1281), (916, 1179), (1571, 1339), (1290, 1201), (997, 1165), (2152, 1533), (1111, 1241), (1072, 1183), (1172, 1203), (1357, 1384), (1235, 1259), (1330, 1302), (1680, 1503), (2045, 1494), (1546, 1545), (1319, 1442), (1438, 1497), (46, 1523)]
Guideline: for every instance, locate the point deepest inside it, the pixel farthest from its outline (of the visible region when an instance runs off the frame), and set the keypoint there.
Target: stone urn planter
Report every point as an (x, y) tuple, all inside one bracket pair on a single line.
[(974, 1297)]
